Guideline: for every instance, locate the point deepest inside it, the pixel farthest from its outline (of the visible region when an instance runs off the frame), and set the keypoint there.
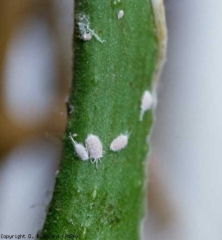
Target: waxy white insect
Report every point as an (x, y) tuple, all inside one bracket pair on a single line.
[(86, 36), (120, 14), (119, 142), (94, 148), (80, 150), (86, 33), (146, 103)]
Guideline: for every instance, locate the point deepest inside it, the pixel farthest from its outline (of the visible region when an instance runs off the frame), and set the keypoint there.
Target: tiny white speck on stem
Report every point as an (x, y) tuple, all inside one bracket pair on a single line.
[(94, 193), (87, 36), (120, 14), (146, 103)]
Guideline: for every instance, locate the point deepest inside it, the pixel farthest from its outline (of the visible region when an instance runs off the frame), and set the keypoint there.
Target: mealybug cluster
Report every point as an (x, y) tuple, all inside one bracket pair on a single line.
[(93, 148)]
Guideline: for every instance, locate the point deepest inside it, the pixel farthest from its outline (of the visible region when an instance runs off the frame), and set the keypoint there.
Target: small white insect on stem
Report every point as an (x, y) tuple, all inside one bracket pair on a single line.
[(86, 33), (94, 148), (119, 143), (86, 36), (120, 14), (80, 150), (146, 103)]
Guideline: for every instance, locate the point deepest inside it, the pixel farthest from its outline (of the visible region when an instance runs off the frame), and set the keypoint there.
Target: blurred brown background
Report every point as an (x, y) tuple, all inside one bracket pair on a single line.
[(14, 16)]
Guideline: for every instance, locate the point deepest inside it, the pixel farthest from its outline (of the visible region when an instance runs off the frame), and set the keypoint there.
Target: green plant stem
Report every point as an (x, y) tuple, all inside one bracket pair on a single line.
[(108, 82)]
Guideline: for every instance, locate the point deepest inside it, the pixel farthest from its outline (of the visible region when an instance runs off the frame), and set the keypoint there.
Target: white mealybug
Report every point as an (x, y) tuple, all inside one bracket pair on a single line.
[(86, 36), (119, 142), (86, 33), (94, 148), (120, 14), (146, 103), (79, 149)]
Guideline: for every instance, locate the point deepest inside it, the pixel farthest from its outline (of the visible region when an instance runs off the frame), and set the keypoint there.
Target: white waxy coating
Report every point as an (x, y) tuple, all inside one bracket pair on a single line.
[(146, 103), (79, 149), (119, 143), (94, 148), (86, 33), (87, 36), (120, 14)]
